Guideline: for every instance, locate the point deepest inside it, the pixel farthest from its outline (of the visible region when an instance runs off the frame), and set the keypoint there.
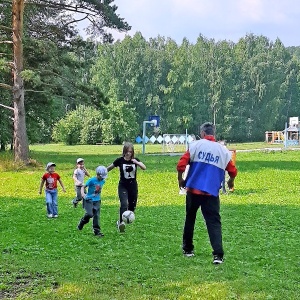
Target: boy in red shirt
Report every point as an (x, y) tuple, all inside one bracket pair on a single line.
[(51, 179)]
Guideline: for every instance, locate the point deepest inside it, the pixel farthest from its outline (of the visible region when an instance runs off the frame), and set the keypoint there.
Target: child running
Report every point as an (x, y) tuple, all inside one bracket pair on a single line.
[(51, 178), (128, 187), (78, 176), (92, 200)]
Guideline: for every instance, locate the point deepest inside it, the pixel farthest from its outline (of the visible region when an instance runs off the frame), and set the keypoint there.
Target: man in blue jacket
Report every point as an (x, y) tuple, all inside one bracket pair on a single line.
[(208, 161)]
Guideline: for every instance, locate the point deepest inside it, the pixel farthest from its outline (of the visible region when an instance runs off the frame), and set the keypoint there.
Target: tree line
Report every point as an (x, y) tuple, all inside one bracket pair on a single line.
[(103, 90), (245, 88)]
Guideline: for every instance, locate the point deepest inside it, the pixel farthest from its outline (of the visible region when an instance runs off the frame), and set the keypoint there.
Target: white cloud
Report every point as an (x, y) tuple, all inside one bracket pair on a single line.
[(199, 8), (250, 10)]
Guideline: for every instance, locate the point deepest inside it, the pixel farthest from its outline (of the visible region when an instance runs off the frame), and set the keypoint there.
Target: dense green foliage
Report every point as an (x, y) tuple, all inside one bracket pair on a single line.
[(246, 88), (87, 125), (50, 259), (56, 60)]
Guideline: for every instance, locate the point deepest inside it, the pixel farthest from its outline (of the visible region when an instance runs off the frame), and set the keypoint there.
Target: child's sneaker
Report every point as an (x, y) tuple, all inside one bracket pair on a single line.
[(188, 253), (121, 226), (50, 216), (55, 216), (218, 260), (74, 203), (99, 234), (80, 226)]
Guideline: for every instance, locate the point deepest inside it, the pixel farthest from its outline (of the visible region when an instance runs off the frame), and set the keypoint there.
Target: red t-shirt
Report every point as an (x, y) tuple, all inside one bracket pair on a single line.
[(51, 180)]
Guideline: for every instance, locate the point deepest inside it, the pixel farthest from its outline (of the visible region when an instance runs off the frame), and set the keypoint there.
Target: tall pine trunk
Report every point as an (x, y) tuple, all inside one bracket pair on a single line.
[(21, 148)]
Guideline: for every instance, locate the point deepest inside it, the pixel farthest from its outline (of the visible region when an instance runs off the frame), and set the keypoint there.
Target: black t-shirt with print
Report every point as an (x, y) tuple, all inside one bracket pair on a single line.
[(127, 169)]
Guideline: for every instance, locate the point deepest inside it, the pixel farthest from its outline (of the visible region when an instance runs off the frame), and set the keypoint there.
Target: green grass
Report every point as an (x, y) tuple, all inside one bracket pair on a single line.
[(50, 259)]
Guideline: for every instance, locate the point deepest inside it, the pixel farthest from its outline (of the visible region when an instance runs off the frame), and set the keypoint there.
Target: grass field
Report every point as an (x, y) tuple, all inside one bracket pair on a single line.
[(50, 259)]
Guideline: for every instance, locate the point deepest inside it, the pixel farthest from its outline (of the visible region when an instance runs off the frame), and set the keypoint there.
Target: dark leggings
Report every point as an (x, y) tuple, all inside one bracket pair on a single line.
[(128, 193)]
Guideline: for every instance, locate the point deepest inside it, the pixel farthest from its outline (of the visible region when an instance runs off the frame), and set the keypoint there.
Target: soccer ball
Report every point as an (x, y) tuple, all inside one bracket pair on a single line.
[(128, 216)]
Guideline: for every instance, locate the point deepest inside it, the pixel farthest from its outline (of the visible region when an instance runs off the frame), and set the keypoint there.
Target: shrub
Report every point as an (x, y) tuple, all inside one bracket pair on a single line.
[(80, 126)]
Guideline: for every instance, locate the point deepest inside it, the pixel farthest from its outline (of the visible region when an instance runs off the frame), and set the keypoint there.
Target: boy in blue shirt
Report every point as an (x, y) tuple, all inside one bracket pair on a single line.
[(92, 200)]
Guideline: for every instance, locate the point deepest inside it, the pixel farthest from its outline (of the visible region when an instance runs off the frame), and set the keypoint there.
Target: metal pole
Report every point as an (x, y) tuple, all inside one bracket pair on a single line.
[(154, 123), (144, 136), (186, 140), (285, 136)]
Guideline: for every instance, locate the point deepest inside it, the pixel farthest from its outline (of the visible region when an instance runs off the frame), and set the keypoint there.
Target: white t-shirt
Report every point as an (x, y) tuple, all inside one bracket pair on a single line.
[(79, 174)]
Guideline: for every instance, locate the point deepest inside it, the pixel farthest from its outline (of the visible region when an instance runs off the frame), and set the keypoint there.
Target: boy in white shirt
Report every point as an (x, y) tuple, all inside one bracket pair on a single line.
[(78, 176)]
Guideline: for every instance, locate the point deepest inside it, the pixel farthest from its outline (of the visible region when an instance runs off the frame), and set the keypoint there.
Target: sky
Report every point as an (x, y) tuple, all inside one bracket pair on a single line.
[(214, 19)]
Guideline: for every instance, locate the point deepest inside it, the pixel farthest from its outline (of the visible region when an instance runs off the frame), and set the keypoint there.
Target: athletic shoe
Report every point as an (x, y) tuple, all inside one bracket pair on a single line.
[(121, 226), (182, 191), (79, 226), (218, 260), (50, 216), (74, 204), (99, 234), (55, 216), (188, 253)]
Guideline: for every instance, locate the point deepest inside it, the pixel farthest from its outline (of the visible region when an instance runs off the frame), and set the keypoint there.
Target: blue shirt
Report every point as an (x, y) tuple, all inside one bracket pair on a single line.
[(94, 186)]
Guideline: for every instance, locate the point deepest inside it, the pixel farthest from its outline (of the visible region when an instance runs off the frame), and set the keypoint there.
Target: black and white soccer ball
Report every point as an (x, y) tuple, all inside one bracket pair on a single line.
[(128, 216)]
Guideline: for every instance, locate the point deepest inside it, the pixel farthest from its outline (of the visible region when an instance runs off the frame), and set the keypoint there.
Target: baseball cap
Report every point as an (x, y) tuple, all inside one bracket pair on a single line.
[(50, 164), (79, 160), (102, 171)]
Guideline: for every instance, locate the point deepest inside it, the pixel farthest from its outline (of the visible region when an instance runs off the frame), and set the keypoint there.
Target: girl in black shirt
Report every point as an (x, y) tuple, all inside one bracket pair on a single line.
[(128, 187)]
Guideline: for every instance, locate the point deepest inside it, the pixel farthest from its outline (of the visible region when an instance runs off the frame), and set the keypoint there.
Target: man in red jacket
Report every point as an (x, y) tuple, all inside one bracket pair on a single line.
[(208, 161)]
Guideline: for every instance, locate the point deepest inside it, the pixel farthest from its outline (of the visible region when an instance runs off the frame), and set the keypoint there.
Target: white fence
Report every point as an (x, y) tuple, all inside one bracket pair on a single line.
[(170, 142)]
